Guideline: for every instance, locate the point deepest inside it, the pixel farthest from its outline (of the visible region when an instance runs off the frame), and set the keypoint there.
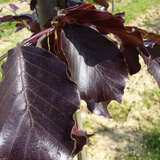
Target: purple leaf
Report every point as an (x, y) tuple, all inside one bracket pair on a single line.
[(153, 62), (132, 60), (95, 64), (98, 108), (37, 103), (13, 6), (33, 4), (28, 18)]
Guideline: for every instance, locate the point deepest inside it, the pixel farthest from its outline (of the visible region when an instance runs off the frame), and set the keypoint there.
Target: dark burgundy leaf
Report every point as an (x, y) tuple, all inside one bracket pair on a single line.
[(81, 138), (147, 36), (153, 62), (95, 64), (122, 16), (20, 26), (37, 103), (132, 60), (87, 14), (105, 23), (33, 4), (14, 7)]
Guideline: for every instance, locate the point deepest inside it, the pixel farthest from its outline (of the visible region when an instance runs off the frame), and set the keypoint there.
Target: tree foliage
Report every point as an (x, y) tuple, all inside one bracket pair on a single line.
[(45, 76)]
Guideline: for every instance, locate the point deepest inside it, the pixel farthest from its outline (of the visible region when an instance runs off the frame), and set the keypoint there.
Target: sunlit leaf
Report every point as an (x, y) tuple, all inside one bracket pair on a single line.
[(37, 103), (95, 64)]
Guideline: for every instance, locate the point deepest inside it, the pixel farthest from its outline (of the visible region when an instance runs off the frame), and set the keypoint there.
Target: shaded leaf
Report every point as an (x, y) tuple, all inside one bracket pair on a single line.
[(81, 138), (132, 60), (147, 36), (37, 103), (153, 62), (33, 4), (105, 23), (129, 37), (122, 15), (87, 14), (95, 64)]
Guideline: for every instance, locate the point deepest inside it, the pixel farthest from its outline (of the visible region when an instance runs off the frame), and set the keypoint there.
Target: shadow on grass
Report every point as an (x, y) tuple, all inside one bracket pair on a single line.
[(141, 145)]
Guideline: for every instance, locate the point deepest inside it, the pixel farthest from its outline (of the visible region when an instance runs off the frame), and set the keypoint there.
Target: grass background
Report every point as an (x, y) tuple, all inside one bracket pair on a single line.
[(5, 1), (134, 131)]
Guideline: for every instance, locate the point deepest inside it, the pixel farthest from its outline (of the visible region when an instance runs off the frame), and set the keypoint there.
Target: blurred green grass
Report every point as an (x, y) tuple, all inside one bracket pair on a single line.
[(120, 112), (134, 8), (5, 1), (150, 145), (6, 29), (151, 140)]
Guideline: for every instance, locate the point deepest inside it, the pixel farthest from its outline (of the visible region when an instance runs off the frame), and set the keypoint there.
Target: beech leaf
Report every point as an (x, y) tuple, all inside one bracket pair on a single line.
[(153, 61), (132, 60), (37, 103), (33, 4), (95, 64)]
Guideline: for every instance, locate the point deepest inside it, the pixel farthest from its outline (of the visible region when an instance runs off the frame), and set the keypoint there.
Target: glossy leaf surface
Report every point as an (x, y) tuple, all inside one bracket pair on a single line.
[(37, 103), (95, 64), (105, 23)]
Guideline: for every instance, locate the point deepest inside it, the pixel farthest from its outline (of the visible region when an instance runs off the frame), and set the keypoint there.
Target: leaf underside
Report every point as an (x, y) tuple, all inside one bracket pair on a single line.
[(37, 103), (96, 65)]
